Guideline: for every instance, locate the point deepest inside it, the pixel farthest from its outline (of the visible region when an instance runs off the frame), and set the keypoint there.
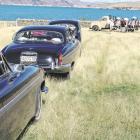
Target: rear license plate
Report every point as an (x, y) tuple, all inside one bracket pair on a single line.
[(28, 59)]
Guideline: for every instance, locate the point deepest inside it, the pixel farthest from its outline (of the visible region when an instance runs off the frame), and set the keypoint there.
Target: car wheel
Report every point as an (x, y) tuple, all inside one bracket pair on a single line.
[(132, 30), (66, 75), (95, 28), (38, 107)]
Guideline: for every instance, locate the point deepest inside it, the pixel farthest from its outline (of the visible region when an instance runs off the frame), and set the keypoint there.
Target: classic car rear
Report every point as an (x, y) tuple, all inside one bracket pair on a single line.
[(49, 47), (20, 97)]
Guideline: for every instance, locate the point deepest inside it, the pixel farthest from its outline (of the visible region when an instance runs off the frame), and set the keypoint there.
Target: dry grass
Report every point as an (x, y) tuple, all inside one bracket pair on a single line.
[(6, 34), (101, 100)]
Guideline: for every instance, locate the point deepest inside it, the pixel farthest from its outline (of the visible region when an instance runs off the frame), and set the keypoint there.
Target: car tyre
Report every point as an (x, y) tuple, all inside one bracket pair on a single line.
[(38, 107), (66, 75), (95, 28)]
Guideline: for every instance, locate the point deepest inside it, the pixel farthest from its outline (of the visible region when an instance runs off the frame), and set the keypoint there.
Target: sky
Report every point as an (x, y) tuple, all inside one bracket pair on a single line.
[(109, 0)]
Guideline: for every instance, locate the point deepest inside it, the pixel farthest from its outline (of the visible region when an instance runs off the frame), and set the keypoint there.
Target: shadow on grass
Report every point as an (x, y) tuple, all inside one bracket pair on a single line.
[(57, 76), (124, 88), (25, 130)]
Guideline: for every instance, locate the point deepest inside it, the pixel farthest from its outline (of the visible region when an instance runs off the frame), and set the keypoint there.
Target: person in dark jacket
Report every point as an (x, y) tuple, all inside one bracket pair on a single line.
[(123, 24)]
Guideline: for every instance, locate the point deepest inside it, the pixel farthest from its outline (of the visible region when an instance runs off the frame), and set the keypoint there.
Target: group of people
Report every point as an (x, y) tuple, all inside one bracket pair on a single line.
[(124, 24)]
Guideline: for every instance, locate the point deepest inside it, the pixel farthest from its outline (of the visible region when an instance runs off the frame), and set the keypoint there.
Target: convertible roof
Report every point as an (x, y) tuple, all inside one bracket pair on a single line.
[(47, 27)]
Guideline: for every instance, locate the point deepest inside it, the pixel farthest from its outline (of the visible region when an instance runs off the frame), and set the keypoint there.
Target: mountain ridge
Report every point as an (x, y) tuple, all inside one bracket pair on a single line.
[(74, 3)]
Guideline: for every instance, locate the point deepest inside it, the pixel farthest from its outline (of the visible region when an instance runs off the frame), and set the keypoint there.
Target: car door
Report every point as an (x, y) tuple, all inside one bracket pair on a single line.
[(18, 103), (3, 128), (72, 50), (76, 48)]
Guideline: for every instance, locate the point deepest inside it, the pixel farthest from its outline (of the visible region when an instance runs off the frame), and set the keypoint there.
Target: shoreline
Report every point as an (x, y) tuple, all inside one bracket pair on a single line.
[(77, 7)]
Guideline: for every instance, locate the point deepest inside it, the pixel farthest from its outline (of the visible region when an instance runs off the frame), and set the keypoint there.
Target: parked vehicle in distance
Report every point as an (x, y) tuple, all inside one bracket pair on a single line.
[(50, 47), (20, 97), (103, 23)]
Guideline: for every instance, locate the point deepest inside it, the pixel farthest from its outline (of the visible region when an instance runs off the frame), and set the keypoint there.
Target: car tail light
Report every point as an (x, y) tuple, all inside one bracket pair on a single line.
[(60, 59)]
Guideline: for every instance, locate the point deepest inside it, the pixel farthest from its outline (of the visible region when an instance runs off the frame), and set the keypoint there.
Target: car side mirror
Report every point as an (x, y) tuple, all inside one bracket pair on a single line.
[(2, 70)]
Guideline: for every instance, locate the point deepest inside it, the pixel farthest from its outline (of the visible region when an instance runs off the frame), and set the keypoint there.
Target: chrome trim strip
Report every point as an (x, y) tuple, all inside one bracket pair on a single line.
[(57, 67)]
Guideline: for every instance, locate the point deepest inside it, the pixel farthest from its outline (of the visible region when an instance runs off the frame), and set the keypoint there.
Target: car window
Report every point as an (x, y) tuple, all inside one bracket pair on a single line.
[(69, 37), (72, 28), (3, 67), (68, 25), (40, 36), (104, 19)]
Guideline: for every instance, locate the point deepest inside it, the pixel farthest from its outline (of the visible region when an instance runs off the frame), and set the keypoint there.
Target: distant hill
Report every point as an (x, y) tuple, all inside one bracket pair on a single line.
[(69, 3), (120, 5), (74, 3)]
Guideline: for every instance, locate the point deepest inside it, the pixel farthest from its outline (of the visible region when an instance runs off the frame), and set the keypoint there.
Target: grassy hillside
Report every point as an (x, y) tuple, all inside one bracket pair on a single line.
[(101, 100)]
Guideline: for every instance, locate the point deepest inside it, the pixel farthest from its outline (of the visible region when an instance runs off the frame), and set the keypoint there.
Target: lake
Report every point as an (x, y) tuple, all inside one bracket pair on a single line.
[(8, 12)]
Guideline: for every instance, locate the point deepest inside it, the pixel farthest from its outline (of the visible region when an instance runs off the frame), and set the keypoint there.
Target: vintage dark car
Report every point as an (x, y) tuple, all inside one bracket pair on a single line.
[(50, 47), (20, 97)]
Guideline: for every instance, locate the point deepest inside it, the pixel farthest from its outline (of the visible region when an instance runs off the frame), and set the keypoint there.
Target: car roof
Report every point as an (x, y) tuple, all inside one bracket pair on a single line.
[(75, 22), (66, 21), (45, 27)]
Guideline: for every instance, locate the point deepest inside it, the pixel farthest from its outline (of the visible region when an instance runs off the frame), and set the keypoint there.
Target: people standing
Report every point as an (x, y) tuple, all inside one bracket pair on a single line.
[(123, 24), (126, 24), (118, 23)]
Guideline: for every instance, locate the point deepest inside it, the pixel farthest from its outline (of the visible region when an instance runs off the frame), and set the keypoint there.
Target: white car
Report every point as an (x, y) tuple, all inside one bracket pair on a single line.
[(103, 23)]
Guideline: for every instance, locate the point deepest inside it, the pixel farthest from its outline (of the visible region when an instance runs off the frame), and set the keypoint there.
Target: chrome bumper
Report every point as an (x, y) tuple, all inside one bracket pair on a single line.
[(52, 68), (57, 69)]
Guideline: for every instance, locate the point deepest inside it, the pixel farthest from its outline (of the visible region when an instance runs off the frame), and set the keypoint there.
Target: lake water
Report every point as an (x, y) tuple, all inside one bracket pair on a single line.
[(33, 12)]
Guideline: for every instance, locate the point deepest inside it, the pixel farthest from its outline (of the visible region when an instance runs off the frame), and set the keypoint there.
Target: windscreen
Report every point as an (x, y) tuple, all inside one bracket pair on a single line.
[(40, 36), (4, 67)]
